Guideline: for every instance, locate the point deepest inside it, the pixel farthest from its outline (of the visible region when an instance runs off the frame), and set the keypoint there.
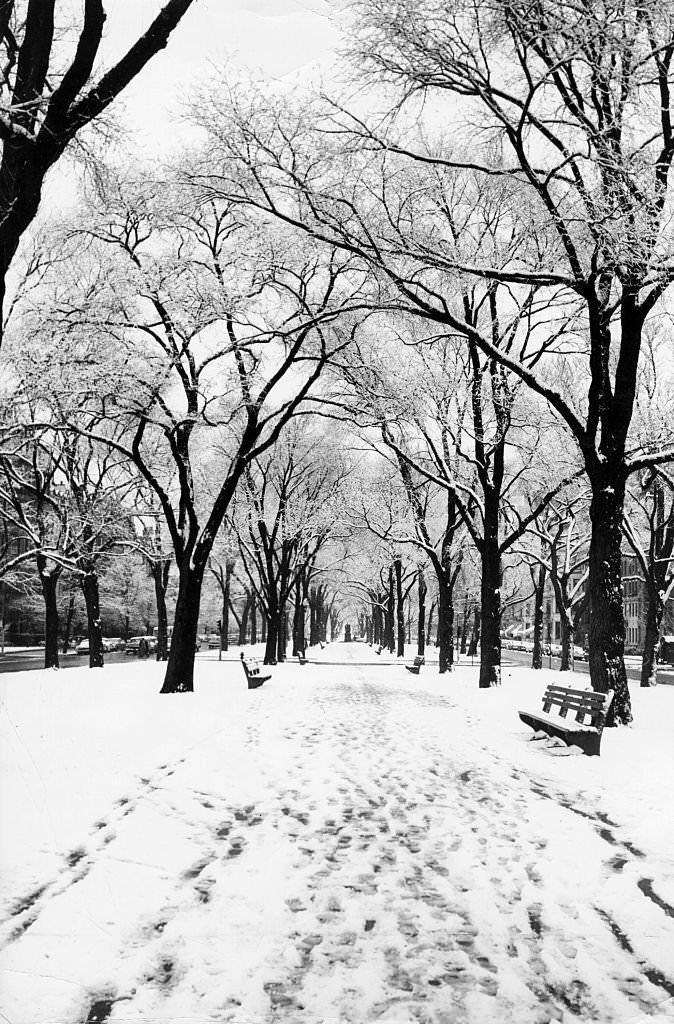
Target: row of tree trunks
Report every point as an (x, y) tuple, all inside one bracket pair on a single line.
[(49, 579)]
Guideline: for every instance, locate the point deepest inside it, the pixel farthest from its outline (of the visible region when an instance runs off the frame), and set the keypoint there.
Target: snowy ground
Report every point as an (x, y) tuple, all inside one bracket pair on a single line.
[(348, 843)]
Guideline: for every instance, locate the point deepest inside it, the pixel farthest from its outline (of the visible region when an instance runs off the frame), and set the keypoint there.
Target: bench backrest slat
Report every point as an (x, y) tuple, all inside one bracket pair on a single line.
[(586, 703), (586, 695)]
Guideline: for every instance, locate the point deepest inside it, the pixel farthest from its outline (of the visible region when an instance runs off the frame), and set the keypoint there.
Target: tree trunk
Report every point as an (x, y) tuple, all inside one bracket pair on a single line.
[(282, 635), (49, 584), (475, 635), (272, 639), (377, 637), (160, 577), (567, 638), (89, 585), (243, 624), (539, 594), (429, 626), (464, 623), (390, 611), (179, 676), (224, 621), (490, 602), (68, 628), (299, 640), (400, 610), (445, 624), (654, 614), (421, 617), (565, 622), (607, 623)]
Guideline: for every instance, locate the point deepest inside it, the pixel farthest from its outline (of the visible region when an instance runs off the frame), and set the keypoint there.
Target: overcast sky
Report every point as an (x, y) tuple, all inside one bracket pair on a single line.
[(273, 38)]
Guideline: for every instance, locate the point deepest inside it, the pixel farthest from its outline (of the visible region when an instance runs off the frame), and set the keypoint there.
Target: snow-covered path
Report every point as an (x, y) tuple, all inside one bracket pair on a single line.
[(345, 844)]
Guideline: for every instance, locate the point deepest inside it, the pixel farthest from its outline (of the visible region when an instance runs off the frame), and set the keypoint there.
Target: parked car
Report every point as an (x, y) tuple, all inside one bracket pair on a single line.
[(83, 646), (666, 653), (141, 645), (112, 643)]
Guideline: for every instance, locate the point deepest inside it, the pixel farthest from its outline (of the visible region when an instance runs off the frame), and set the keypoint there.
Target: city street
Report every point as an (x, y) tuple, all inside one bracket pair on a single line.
[(22, 661), (632, 664)]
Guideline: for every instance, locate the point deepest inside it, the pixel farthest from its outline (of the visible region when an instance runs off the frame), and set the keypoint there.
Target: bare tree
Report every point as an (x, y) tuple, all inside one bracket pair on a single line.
[(649, 529), (573, 103), (48, 94), (221, 334), (289, 515), (556, 549), (36, 518)]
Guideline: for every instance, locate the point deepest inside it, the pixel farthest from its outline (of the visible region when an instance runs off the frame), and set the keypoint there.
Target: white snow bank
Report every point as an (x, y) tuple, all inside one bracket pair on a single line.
[(349, 842)]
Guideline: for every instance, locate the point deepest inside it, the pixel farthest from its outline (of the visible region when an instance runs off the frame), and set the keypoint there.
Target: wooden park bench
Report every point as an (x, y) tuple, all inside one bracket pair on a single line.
[(586, 704), (302, 657), (252, 670), (415, 667)]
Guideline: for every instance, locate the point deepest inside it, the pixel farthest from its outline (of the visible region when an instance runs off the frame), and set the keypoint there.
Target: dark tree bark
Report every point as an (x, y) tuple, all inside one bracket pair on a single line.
[(465, 617), (243, 623), (400, 608), (299, 639), (655, 559), (49, 584), (445, 624), (421, 613), (390, 611), (377, 619), (429, 627), (89, 584), (253, 621), (538, 579), (224, 635), (607, 623), (160, 569), (179, 676), (68, 627), (490, 601), (654, 615), (567, 632), (282, 635), (272, 620), (47, 115), (475, 635)]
